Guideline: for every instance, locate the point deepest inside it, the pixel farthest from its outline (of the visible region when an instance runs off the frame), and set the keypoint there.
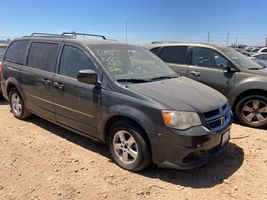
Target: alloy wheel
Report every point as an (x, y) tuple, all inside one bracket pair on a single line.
[(16, 104), (255, 111), (125, 147)]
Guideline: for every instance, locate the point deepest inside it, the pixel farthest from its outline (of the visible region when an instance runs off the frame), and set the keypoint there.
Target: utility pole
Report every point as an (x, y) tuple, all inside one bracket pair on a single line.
[(126, 31), (227, 39), (236, 39), (208, 37)]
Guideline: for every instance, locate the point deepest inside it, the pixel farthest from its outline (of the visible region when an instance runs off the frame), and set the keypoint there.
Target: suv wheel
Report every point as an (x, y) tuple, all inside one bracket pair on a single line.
[(128, 147), (17, 105), (252, 111)]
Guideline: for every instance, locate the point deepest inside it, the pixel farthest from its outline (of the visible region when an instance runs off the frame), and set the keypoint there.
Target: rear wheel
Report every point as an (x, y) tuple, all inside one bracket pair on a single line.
[(17, 105), (252, 111), (128, 146)]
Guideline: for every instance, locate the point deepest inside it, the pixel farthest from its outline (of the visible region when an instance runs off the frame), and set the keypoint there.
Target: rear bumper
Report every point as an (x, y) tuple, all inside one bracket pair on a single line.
[(179, 151)]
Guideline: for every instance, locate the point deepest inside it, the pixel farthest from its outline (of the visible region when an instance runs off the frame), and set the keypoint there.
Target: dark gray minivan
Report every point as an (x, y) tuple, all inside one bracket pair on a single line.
[(119, 94)]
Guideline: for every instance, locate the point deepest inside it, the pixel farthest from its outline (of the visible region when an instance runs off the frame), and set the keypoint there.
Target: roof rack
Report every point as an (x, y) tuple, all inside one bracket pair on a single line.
[(45, 35), (64, 35), (162, 42), (74, 34)]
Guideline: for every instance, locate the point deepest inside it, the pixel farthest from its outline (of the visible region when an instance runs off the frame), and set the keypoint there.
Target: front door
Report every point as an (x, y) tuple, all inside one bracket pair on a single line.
[(207, 67), (76, 103)]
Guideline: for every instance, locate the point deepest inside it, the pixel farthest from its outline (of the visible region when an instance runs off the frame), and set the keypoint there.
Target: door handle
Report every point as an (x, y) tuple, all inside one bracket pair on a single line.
[(46, 81), (195, 73), (59, 85)]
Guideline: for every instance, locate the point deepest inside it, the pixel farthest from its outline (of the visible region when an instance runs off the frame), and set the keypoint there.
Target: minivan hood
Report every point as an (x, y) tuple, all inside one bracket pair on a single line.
[(181, 94)]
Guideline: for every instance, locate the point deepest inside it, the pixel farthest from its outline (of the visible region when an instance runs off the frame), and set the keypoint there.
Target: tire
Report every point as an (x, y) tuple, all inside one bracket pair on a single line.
[(252, 111), (128, 146), (17, 105)]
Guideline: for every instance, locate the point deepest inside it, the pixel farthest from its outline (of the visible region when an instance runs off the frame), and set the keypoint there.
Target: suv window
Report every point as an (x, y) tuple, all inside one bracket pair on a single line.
[(205, 57), (74, 60), (174, 54), (17, 52), (155, 50), (43, 56)]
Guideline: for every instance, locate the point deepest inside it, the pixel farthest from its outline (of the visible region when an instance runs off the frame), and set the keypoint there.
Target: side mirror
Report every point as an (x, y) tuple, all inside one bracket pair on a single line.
[(229, 69), (87, 76)]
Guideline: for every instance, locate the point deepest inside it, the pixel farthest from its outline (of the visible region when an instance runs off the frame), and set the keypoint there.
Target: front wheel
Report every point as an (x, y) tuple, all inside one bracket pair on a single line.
[(252, 111), (128, 146)]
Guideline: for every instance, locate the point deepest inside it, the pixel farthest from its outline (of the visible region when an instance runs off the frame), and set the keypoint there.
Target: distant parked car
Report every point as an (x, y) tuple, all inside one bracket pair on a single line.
[(263, 63), (2, 53), (240, 79), (260, 56), (262, 50), (243, 51)]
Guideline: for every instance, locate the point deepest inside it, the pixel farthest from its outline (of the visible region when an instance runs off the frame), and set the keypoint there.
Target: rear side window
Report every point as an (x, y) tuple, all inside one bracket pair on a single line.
[(155, 50), (73, 60), (43, 56), (174, 54), (17, 52)]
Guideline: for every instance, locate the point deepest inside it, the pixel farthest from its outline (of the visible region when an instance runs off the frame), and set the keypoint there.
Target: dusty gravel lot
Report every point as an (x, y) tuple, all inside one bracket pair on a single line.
[(39, 160)]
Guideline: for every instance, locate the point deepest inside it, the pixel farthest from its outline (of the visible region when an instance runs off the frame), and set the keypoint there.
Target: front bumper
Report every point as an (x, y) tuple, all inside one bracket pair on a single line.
[(182, 150)]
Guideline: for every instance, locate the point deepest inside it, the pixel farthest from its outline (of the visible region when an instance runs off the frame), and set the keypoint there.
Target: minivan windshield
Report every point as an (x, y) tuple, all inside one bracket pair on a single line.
[(240, 59), (132, 64)]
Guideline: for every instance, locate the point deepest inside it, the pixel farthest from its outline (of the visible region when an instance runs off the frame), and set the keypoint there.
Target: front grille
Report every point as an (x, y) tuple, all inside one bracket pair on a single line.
[(218, 119)]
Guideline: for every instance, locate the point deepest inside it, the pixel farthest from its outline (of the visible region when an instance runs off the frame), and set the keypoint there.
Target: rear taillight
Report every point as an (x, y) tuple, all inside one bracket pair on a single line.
[(1, 68)]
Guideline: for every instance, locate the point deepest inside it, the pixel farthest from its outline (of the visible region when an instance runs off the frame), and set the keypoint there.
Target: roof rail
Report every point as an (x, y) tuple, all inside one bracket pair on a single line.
[(162, 42), (74, 34), (64, 35), (45, 35)]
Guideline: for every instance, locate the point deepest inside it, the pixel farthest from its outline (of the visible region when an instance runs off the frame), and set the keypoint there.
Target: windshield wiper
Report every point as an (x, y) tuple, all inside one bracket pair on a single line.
[(255, 68), (162, 77), (131, 80)]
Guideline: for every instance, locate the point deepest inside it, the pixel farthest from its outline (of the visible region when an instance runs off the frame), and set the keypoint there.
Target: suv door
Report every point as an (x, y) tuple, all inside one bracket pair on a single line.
[(76, 103), (37, 78), (207, 66), (175, 57)]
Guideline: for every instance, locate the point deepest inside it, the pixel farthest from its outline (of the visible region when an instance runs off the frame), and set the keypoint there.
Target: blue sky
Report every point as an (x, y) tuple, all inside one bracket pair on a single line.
[(148, 20)]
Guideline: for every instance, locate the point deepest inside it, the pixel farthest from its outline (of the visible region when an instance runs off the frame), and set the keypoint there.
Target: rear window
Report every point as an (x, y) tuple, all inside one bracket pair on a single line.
[(43, 56), (17, 52), (174, 54)]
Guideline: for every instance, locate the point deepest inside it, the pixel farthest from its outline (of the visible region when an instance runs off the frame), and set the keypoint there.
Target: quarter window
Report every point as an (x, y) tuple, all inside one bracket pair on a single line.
[(205, 57), (43, 56), (73, 60), (174, 54), (17, 52)]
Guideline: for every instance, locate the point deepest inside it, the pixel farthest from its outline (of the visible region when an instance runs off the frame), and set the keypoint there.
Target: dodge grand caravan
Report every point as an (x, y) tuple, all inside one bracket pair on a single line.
[(119, 94)]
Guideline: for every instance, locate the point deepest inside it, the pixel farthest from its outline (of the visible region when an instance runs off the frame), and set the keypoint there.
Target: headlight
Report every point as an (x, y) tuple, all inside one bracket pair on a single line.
[(180, 120)]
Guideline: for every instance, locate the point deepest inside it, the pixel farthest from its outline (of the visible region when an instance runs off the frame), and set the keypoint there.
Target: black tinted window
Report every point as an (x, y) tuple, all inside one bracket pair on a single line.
[(208, 58), (174, 54), (264, 50), (17, 52), (155, 50), (74, 60), (43, 56)]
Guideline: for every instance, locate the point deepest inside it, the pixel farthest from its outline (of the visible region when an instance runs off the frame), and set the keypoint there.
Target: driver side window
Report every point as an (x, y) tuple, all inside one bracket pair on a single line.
[(206, 57), (73, 60)]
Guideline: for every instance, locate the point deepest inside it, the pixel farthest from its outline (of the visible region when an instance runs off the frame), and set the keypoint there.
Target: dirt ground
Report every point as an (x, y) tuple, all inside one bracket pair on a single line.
[(40, 160)]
